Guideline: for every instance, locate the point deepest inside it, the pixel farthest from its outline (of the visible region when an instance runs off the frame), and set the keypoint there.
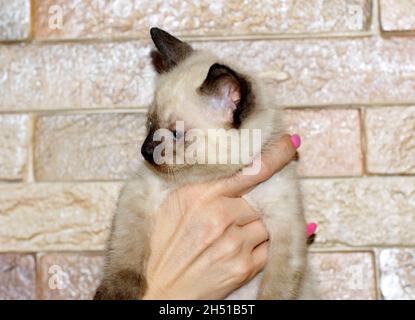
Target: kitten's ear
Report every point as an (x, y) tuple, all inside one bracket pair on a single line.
[(171, 51), (230, 93)]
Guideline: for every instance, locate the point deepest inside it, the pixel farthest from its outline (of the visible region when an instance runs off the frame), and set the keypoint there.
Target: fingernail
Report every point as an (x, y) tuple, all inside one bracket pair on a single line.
[(311, 228), (296, 140)]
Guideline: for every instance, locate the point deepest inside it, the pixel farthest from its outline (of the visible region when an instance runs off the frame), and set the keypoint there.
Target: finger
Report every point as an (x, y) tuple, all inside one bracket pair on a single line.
[(260, 256), (229, 211), (256, 233), (239, 210), (273, 160)]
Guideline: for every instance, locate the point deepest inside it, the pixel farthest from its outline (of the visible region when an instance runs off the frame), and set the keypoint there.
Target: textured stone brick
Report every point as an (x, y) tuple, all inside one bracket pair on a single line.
[(319, 72), (344, 276), (14, 20), (17, 277), (132, 18), (69, 276), (66, 76), (397, 15), (37, 217), (88, 147), (330, 141), (13, 145), (361, 212), (390, 135), (316, 72), (397, 273)]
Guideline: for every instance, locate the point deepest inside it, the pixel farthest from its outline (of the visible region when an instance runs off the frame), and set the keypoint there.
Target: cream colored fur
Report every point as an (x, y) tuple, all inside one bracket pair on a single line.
[(278, 199)]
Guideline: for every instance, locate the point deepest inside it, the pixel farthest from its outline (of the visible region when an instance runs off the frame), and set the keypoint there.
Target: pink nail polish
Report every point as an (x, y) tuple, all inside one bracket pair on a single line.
[(311, 228), (296, 140)]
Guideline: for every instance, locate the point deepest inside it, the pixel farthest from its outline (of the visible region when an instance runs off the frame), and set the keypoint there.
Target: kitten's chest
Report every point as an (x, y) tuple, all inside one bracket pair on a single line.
[(273, 199), (259, 200)]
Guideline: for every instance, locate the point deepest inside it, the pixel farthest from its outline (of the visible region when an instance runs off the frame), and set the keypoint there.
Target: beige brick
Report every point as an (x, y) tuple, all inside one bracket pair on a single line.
[(69, 276), (317, 72), (397, 273), (390, 135), (17, 277), (339, 275), (397, 15), (330, 141), (14, 20), (36, 217), (132, 18), (68, 76), (344, 276), (320, 72), (14, 138), (361, 211), (88, 147)]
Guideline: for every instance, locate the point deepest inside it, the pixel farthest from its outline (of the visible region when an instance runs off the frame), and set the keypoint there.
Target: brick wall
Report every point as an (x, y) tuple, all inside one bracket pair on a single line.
[(72, 102)]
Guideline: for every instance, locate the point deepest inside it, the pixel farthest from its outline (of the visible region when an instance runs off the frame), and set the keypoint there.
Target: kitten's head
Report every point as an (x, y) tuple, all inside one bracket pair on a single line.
[(198, 98)]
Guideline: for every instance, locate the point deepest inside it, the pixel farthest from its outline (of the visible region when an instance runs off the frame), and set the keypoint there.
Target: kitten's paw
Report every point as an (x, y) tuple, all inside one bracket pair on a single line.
[(122, 285)]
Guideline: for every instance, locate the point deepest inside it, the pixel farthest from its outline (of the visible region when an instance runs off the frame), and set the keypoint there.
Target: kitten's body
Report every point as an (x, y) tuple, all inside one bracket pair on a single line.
[(278, 199)]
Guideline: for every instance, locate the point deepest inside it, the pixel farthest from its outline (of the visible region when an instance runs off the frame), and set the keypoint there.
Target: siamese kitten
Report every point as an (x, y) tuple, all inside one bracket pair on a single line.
[(198, 88)]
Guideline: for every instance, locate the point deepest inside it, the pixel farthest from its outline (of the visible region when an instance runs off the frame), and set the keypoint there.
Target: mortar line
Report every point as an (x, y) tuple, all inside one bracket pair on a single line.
[(377, 19), (378, 274), (140, 109), (363, 140), (212, 37), (29, 172), (123, 180)]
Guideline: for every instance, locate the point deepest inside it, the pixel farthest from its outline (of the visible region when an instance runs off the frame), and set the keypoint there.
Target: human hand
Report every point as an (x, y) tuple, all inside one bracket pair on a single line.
[(207, 240)]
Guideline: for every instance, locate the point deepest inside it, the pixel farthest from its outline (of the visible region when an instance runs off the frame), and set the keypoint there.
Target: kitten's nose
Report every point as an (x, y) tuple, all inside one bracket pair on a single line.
[(147, 151)]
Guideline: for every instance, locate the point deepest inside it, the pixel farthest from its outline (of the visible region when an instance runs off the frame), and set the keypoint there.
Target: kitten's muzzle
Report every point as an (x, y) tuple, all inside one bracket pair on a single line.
[(147, 153), (147, 149)]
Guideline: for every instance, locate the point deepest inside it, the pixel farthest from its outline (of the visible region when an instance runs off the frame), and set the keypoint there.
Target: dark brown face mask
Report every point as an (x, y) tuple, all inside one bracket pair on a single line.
[(170, 52), (148, 146)]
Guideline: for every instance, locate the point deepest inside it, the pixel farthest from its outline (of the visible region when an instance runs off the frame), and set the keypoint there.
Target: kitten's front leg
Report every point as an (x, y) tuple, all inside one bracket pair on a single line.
[(124, 271), (121, 285), (286, 266)]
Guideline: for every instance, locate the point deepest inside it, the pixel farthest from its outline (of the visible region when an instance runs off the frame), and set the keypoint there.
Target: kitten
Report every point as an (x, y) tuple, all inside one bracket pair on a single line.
[(198, 88)]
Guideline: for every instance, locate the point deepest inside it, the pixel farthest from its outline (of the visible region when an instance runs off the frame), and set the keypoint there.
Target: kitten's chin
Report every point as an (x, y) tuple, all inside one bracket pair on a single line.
[(203, 173), (194, 173), (162, 169)]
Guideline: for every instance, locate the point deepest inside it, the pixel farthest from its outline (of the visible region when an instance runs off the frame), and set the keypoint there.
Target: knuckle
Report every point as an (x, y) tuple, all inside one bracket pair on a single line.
[(262, 261), (266, 169), (212, 226), (243, 270), (217, 221), (230, 246)]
